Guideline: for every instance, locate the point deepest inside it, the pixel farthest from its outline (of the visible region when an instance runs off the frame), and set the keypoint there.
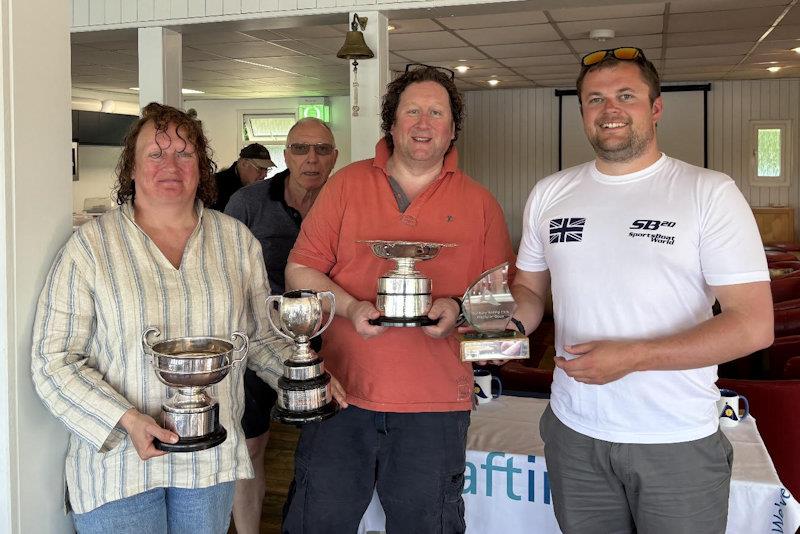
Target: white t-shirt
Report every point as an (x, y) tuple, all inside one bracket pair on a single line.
[(632, 257)]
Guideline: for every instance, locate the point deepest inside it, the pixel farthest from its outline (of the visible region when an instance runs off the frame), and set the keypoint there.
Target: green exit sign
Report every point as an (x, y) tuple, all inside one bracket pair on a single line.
[(317, 111)]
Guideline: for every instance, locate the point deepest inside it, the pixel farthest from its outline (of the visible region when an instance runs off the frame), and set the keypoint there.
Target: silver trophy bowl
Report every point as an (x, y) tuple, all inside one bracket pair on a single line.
[(190, 364), (404, 293), (304, 390)]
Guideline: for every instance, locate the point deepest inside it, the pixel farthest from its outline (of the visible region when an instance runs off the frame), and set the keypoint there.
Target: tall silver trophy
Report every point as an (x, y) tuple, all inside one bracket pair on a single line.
[(404, 293), (488, 305), (190, 365), (304, 390)]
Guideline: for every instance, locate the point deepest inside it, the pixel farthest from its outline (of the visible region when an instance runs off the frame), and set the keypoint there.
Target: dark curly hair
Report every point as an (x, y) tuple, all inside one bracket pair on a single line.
[(423, 73), (188, 129)]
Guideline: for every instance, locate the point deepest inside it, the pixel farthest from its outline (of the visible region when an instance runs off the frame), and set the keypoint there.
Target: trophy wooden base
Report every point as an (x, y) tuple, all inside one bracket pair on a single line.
[(504, 345), (423, 320)]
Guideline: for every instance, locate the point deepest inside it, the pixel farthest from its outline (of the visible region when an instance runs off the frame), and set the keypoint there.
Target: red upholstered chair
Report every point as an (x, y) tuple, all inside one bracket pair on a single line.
[(774, 255), (786, 288), (774, 404), (778, 354), (516, 375), (785, 265), (787, 322), (789, 247), (791, 371)]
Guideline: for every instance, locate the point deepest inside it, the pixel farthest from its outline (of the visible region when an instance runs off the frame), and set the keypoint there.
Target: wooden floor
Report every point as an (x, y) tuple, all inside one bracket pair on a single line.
[(279, 465)]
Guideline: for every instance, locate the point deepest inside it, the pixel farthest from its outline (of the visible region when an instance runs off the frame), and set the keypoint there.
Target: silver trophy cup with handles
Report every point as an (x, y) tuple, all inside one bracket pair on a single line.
[(304, 390), (404, 293), (189, 365)]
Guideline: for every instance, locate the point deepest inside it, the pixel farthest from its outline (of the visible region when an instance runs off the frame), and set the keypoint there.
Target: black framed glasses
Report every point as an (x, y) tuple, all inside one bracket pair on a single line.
[(417, 66), (301, 149), (624, 53)]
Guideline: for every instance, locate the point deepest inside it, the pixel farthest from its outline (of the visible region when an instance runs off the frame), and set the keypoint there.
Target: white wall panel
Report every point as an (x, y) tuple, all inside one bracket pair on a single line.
[(129, 11), (113, 11), (80, 12), (162, 10), (213, 8), (508, 143), (145, 10), (251, 6), (179, 9), (97, 12), (197, 8), (232, 7), (731, 107)]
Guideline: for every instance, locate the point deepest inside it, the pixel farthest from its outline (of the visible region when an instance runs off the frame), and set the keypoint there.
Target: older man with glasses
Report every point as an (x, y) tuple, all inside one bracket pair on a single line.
[(252, 166), (409, 394), (638, 245), (273, 210)]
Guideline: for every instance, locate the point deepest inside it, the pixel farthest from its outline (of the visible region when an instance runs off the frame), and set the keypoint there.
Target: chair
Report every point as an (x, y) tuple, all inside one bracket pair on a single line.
[(775, 255), (788, 247), (774, 404), (521, 375), (791, 371), (786, 288)]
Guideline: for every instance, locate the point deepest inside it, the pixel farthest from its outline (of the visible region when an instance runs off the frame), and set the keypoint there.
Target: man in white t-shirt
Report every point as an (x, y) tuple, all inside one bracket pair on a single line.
[(637, 246)]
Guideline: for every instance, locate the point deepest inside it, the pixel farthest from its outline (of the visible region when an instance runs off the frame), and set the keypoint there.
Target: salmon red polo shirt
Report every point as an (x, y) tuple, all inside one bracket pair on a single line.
[(402, 369)]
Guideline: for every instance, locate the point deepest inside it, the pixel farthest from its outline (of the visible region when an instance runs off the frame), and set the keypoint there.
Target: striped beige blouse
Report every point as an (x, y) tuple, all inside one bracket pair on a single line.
[(109, 283)]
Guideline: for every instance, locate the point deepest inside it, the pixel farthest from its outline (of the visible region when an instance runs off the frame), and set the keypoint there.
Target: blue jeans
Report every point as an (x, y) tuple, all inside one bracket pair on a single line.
[(163, 511)]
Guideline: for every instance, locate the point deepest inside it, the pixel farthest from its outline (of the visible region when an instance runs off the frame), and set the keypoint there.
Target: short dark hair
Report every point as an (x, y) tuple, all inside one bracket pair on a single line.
[(423, 74), (189, 129), (646, 68)]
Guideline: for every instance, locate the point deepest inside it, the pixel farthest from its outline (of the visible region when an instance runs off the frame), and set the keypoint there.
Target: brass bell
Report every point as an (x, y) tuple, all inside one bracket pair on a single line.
[(354, 46)]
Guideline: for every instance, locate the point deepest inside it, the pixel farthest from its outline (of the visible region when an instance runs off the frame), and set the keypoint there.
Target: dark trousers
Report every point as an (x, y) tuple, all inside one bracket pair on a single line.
[(415, 460)]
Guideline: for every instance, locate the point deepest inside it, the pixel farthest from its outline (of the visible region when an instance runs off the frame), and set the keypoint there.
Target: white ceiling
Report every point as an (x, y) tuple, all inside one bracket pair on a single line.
[(688, 40)]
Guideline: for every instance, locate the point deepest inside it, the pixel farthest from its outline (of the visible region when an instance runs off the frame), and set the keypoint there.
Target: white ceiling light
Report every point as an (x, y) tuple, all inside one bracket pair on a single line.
[(773, 69), (391, 27), (462, 68), (602, 34), (183, 91), (493, 82), (797, 49)]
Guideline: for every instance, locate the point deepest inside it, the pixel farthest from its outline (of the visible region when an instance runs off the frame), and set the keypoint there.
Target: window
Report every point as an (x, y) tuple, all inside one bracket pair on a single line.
[(770, 164), (269, 129)]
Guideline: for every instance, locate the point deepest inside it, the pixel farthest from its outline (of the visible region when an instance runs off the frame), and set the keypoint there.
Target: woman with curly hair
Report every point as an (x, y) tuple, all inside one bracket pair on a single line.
[(160, 259)]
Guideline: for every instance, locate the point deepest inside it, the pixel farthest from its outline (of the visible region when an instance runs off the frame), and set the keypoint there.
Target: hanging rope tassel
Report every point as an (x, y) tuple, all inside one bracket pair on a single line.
[(355, 89)]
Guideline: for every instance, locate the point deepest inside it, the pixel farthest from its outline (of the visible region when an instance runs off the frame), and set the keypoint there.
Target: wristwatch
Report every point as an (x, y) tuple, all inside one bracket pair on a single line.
[(461, 319), (517, 323)]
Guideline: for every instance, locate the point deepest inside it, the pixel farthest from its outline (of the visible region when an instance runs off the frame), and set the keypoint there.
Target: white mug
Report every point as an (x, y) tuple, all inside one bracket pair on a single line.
[(728, 407), (483, 386)]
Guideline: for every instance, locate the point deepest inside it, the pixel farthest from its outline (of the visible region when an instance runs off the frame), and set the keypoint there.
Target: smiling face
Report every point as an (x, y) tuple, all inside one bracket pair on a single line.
[(166, 170), (618, 118), (423, 126), (310, 170)]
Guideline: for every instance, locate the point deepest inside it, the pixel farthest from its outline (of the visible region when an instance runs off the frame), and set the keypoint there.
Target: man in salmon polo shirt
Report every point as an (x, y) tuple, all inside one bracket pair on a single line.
[(638, 245), (409, 395)]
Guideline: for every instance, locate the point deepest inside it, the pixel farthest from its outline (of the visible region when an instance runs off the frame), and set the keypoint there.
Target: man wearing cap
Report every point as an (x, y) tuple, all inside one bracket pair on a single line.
[(273, 210), (253, 163), (637, 246)]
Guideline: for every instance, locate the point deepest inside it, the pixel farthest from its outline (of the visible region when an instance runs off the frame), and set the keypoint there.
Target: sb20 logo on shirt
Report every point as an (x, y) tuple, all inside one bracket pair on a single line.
[(648, 224)]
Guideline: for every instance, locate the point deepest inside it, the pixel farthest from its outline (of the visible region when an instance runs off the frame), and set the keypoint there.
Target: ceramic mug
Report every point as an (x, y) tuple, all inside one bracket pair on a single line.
[(483, 386), (728, 407)]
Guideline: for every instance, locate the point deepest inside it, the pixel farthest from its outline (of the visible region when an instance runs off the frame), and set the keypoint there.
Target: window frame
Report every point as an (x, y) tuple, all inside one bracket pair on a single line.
[(271, 146), (785, 127)]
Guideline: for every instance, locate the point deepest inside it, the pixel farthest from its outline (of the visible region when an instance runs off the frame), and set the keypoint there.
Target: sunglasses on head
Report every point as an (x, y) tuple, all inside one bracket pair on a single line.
[(624, 53), (419, 66), (301, 149)]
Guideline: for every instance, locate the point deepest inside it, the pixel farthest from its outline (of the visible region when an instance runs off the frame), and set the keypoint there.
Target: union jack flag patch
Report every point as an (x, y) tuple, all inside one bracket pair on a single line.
[(567, 230)]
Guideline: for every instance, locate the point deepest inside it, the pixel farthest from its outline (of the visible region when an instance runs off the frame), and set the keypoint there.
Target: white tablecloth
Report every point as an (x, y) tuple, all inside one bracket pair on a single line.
[(506, 487)]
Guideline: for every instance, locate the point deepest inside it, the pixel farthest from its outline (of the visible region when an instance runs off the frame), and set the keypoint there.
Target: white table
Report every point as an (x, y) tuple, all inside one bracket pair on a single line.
[(506, 487)]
